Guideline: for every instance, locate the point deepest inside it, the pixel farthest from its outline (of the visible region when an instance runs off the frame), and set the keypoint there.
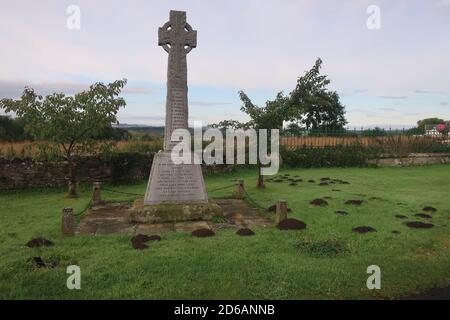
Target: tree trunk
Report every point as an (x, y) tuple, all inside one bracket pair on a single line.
[(260, 183), (72, 179)]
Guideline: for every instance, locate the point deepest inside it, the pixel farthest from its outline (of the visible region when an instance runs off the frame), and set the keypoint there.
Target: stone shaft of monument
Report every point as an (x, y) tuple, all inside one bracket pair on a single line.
[(171, 183), (178, 39)]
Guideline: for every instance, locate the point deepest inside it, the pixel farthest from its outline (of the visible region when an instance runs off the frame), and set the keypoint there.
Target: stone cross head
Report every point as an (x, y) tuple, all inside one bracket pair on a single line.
[(177, 33)]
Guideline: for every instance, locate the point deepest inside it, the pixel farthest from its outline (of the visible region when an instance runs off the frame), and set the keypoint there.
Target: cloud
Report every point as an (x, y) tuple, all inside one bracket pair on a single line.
[(412, 113), (428, 92), (208, 103), (14, 89), (444, 3), (394, 97), (386, 109), (256, 54), (444, 103), (132, 117)]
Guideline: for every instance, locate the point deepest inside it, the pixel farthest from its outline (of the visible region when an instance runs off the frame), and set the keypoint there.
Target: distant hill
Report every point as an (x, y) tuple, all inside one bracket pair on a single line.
[(140, 128)]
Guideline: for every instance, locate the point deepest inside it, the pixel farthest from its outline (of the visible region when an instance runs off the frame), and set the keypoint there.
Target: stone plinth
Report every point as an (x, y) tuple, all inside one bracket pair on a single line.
[(68, 224), (282, 209), (239, 190), (171, 183), (96, 194), (160, 213)]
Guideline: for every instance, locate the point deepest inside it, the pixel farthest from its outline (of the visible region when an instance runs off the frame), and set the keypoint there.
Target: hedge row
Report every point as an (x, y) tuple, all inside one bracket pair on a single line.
[(338, 156)]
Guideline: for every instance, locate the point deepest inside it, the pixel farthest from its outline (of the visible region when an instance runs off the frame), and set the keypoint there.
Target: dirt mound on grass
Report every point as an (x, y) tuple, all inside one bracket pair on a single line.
[(319, 202), (364, 229), (401, 216), (39, 242), (325, 179), (273, 208), (139, 242), (293, 184), (429, 209), (311, 181), (342, 213), (202, 233), (395, 232), (291, 224), (423, 215), (139, 245), (354, 202), (324, 184), (419, 225), (245, 232), (38, 262), (140, 238)]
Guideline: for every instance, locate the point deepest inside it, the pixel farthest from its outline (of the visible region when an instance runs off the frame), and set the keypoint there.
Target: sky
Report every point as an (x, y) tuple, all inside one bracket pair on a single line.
[(392, 76)]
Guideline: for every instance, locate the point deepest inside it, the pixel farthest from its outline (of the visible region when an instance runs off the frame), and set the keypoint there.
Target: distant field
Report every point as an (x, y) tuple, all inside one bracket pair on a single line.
[(27, 148), (327, 260), (401, 143), (397, 142)]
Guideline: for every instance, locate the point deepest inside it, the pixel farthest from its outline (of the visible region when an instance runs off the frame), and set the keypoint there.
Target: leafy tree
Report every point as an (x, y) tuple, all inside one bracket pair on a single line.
[(295, 130), (375, 132), (71, 122), (313, 105), (271, 116), (421, 124), (12, 129), (230, 124), (114, 134), (415, 131)]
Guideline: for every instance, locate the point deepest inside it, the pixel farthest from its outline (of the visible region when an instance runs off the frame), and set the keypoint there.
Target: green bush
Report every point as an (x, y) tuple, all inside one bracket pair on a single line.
[(338, 156), (142, 147), (123, 163)]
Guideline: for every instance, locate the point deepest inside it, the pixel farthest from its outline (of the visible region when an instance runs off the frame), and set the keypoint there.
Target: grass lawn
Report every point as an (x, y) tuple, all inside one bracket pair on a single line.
[(271, 265)]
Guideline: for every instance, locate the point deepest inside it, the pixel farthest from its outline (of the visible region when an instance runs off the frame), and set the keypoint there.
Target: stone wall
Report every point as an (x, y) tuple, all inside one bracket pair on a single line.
[(122, 168), (27, 173), (414, 159)]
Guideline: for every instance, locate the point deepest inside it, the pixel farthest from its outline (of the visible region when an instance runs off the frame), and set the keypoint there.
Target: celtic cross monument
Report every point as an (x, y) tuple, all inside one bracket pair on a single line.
[(172, 183)]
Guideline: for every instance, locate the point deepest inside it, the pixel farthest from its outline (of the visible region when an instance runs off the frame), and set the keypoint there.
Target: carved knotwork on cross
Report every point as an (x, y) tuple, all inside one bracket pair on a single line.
[(177, 34)]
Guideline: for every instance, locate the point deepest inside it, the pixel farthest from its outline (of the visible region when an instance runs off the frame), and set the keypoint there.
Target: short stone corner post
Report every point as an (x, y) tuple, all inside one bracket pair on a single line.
[(68, 224), (239, 191), (282, 210), (96, 194)]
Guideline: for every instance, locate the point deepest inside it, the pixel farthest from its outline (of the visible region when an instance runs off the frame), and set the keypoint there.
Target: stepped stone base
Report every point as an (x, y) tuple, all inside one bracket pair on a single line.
[(113, 218), (160, 213)]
